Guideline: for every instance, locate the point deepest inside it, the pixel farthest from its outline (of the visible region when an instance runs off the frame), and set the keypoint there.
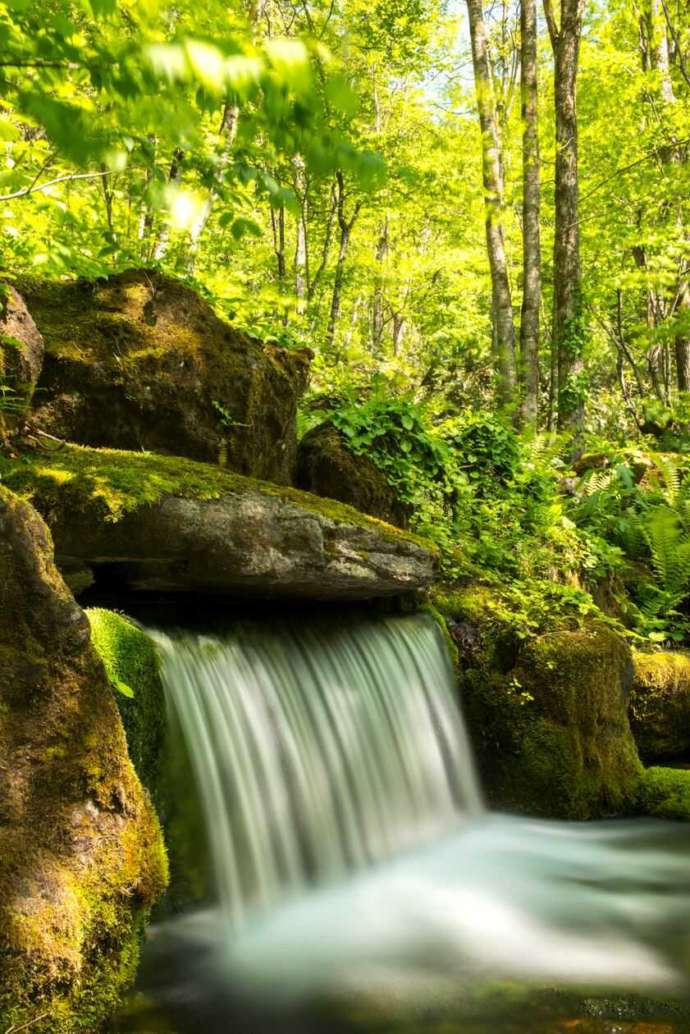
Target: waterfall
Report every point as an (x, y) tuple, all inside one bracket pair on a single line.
[(317, 749)]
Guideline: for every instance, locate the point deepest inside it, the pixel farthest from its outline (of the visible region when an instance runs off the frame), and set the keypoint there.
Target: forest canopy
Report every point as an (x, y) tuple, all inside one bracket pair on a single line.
[(475, 216)]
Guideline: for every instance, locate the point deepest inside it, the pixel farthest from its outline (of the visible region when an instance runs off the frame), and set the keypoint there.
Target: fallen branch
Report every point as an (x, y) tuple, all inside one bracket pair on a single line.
[(23, 1026)]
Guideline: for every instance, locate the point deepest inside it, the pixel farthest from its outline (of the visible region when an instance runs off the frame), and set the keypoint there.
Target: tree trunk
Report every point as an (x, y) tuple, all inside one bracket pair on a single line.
[(174, 176), (228, 130), (345, 226), (531, 198), (378, 301), (502, 307), (336, 297), (682, 345), (568, 323), (278, 227), (301, 252)]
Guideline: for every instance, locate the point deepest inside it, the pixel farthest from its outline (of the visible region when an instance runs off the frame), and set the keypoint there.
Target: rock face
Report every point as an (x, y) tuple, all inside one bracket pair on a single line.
[(177, 525), (660, 704), (21, 355), (139, 361), (548, 715), (81, 856), (326, 467)]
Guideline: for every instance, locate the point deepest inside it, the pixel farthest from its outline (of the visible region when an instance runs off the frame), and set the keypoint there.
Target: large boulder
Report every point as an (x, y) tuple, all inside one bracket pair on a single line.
[(21, 358), (327, 467), (170, 524), (547, 713), (660, 704), (139, 361), (81, 854)]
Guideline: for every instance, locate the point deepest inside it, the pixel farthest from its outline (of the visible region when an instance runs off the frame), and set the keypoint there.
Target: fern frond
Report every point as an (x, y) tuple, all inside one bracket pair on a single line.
[(598, 481), (669, 549), (669, 469)]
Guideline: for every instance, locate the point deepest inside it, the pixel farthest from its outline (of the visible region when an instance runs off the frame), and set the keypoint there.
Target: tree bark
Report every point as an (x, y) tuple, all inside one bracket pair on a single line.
[(301, 239), (174, 176), (378, 301), (682, 345), (492, 176), (345, 226), (568, 323), (531, 200), (228, 130), (278, 228)]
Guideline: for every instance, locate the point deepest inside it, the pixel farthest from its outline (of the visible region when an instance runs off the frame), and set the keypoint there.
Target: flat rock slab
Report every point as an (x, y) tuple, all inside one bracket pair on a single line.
[(173, 524)]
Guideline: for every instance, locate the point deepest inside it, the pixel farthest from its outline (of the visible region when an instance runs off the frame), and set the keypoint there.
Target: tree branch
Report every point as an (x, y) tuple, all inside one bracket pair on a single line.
[(551, 22), (33, 189), (674, 37), (626, 168)]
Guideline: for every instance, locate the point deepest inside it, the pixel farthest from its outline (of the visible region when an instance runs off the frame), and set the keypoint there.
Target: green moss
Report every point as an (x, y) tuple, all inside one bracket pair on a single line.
[(111, 483), (130, 659), (547, 713), (664, 793), (433, 612), (660, 704)]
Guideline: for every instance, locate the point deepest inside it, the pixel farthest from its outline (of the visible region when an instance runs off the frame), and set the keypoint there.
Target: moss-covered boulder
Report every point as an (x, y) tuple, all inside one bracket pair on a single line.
[(170, 524), (131, 663), (547, 713), (664, 793), (21, 358), (81, 854), (327, 467), (660, 704), (139, 361)]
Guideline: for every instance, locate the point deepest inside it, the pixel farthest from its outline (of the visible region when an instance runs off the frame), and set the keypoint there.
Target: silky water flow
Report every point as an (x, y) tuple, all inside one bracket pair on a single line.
[(353, 859)]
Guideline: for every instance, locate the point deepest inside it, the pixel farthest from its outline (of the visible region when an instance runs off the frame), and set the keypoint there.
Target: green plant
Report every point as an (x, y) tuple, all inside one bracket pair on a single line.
[(11, 403), (395, 435), (225, 418)]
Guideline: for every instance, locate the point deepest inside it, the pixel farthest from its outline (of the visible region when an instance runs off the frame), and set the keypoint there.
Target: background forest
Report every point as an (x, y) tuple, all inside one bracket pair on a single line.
[(475, 217)]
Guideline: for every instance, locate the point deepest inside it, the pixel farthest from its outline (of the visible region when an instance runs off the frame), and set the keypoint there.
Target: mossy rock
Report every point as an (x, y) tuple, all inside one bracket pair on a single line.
[(81, 854), (660, 704), (169, 523), (21, 359), (327, 467), (158, 752), (140, 361), (131, 663), (664, 793), (547, 714)]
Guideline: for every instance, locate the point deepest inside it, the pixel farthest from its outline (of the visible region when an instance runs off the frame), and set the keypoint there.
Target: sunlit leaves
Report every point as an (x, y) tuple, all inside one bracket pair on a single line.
[(281, 62)]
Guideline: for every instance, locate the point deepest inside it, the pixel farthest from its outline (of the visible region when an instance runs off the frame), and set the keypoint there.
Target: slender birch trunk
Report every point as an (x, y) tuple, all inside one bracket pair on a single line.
[(345, 225), (492, 175), (568, 321), (531, 201)]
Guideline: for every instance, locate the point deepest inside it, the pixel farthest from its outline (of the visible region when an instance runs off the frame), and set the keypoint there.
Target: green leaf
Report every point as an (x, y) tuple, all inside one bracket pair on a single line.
[(340, 95), (242, 226), (207, 64), (103, 8), (289, 58), (123, 688)]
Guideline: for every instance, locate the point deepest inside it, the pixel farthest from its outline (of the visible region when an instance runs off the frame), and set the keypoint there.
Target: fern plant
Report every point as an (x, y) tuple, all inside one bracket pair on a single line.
[(669, 549)]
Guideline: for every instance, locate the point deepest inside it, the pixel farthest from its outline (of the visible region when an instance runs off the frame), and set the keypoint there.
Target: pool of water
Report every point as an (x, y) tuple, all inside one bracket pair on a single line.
[(504, 925)]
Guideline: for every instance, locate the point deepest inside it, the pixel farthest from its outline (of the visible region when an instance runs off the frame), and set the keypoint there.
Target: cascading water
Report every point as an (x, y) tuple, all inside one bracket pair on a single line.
[(318, 751), (353, 858)]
